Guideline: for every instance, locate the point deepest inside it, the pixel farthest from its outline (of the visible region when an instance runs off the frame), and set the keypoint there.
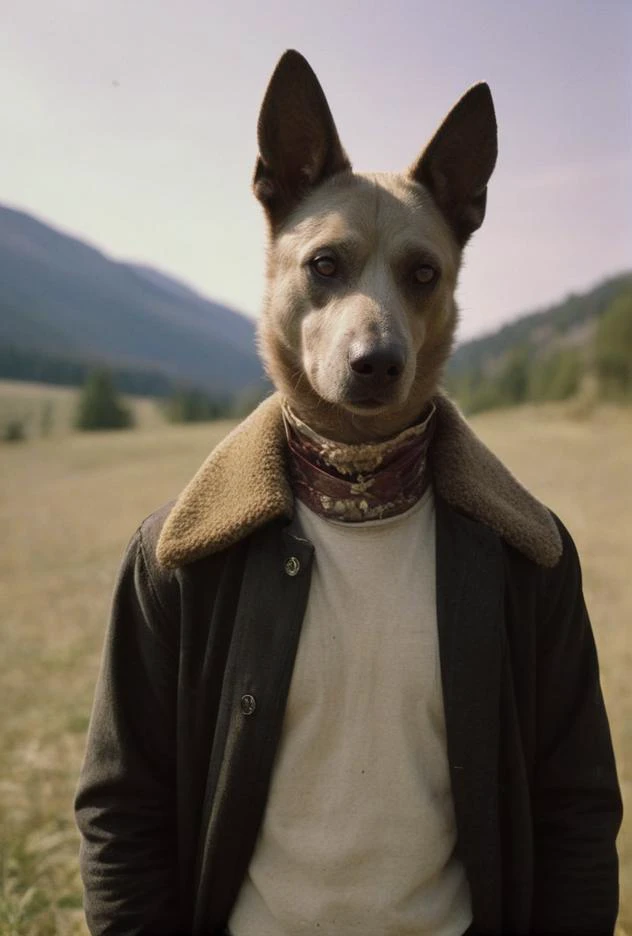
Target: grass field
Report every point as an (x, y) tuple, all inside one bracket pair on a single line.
[(49, 411), (69, 503)]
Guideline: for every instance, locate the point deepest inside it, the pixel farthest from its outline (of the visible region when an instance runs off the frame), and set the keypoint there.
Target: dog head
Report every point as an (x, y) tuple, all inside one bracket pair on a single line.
[(359, 313)]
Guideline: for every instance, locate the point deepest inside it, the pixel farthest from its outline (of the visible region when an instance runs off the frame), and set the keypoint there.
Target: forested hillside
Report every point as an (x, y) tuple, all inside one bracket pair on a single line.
[(551, 354), (65, 308)]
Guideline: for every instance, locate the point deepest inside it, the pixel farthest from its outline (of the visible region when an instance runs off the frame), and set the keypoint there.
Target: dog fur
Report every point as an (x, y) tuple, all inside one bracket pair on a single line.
[(358, 354)]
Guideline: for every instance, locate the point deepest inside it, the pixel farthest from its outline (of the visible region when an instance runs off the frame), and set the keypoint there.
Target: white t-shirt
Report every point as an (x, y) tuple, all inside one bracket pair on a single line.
[(359, 831)]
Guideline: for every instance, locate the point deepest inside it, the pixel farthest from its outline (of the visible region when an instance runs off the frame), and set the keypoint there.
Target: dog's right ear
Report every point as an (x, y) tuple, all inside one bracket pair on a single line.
[(298, 141)]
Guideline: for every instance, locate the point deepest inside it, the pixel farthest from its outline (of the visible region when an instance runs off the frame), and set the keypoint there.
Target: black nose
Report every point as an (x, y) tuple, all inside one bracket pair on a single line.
[(377, 366)]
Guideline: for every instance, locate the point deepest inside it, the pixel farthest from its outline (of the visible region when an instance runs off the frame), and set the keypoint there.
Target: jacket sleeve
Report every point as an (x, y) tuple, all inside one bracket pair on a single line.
[(125, 804), (577, 803)]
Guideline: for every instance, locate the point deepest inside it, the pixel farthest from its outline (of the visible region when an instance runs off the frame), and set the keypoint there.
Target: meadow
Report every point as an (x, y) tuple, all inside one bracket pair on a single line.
[(70, 502)]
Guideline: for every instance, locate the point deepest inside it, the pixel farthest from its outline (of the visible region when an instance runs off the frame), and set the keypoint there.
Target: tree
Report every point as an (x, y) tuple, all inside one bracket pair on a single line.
[(46, 418), (512, 382), (192, 406), (246, 400), (613, 348), (100, 406), (14, 431), (556, 376)]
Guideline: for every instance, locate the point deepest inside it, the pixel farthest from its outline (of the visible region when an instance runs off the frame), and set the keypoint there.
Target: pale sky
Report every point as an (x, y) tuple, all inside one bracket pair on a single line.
[(131, 123)]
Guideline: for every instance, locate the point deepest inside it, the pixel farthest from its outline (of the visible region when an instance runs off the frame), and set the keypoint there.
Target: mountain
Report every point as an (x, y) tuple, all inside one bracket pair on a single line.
[(546, 355), (61, 299), (571, 321)]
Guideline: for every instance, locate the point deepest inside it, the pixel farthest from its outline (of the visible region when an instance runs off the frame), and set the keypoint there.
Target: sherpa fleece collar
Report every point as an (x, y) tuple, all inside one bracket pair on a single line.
[(243, 484)]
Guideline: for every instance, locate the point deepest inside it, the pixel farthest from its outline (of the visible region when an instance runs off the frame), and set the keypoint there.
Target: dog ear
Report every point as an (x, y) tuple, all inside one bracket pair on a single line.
[(460, 158), (298, 141)]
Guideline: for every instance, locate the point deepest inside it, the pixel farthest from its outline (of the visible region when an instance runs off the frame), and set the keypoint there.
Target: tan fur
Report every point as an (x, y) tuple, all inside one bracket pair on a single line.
[(377, 220), (381, 227)]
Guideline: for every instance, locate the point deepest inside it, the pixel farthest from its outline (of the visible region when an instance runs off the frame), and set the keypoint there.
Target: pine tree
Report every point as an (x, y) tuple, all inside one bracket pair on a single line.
[(100, 406)]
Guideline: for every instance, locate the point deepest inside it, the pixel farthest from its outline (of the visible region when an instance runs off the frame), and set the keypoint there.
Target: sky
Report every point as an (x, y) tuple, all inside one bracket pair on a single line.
[(133, 125)]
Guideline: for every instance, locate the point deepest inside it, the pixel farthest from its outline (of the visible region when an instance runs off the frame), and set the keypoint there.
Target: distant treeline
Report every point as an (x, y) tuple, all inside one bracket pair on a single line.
[(99, 405), (579, 344), (179, 402), (39, 367)]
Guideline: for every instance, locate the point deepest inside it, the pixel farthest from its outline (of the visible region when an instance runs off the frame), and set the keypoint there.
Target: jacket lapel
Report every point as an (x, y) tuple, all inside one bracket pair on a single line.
[(469, 614)]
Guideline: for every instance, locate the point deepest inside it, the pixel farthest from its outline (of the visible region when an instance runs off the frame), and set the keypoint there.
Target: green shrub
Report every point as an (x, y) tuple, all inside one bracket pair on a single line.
[(46, 418), (477, 391), (512, 381), (14, 431), (556, 376), (100, 406), (187, 406), (248, 399), (613, 349)]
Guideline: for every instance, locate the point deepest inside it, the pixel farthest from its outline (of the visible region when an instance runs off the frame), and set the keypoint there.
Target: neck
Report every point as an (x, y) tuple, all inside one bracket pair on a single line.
[(337, 424), (358, 481)]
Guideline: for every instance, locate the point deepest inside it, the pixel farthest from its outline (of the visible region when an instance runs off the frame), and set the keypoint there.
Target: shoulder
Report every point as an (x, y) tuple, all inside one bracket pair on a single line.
[(564, 580), (141, 579), (165, 582), (544, 605), (148, 534), (546, 577)]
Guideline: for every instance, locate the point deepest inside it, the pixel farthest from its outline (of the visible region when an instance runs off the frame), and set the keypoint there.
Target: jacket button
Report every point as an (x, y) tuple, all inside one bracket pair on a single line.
[(248, 704), (292, 566)]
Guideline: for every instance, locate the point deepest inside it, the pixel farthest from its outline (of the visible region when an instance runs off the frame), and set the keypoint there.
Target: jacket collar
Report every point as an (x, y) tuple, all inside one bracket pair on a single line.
[(243, 484)]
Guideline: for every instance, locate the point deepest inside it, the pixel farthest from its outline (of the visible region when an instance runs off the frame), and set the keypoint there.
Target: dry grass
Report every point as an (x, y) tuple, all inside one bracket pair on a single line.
[(29, 403), (67, 507), (581, 467)]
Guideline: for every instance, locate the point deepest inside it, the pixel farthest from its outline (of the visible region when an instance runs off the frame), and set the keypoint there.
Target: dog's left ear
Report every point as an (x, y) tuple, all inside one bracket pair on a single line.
[(299, 145), (460, 158)]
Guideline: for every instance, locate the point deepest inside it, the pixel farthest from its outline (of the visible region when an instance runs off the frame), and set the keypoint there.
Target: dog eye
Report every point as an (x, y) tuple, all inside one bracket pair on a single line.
[(325, 265), (425, 274)]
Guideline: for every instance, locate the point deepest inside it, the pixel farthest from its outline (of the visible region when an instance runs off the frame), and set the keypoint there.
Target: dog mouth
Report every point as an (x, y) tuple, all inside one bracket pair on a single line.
[(368, 404), (368, 400)]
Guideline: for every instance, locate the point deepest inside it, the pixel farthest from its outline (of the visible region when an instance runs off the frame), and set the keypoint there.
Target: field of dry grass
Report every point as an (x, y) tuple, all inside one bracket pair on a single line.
[(45, 410), (68, 504)]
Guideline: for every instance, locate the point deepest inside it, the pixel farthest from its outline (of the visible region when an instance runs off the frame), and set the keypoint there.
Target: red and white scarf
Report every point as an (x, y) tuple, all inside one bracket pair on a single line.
[(352, 483)]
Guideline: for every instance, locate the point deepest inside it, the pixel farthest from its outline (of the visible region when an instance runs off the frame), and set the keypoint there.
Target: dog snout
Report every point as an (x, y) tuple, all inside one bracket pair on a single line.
[(377, 366)]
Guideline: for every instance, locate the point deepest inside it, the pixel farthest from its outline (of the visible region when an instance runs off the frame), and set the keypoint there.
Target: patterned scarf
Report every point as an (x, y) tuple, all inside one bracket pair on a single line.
[(352, 483)]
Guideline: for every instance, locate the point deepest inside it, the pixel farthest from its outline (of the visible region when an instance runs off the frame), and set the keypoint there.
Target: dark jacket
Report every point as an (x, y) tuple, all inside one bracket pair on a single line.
[(196, 670)]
